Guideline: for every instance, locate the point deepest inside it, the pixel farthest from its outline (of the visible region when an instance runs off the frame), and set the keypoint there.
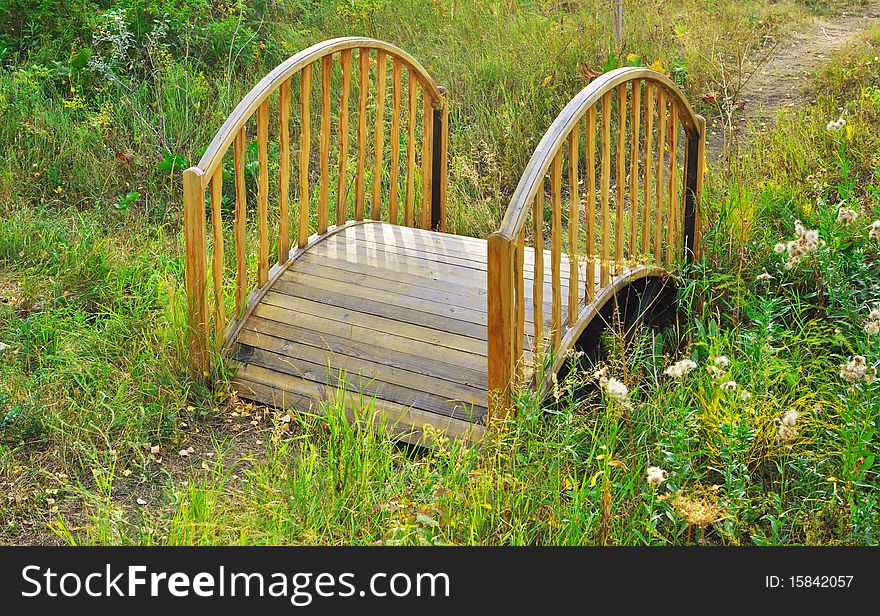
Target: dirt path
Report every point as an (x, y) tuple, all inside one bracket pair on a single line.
[(781, 79)]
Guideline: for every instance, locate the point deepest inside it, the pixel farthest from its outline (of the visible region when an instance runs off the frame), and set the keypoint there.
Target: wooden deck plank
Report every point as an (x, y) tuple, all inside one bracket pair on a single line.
[(358, 299), (393, 314), (359, 348), (281, 390), (361, 383), (384, 342), (436, 255)]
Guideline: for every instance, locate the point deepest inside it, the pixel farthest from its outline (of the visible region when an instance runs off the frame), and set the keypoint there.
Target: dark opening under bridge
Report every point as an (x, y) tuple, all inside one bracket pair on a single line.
[(370, 303)]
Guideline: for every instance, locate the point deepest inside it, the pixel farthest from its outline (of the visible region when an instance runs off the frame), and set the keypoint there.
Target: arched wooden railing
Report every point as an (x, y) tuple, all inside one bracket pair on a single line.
[(641, 187), (416, 192)]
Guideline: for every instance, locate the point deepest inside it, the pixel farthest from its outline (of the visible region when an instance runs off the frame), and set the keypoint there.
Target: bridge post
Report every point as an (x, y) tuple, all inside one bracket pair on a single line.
[(696, 164), (500, 326), (439, 163), (196, 267)]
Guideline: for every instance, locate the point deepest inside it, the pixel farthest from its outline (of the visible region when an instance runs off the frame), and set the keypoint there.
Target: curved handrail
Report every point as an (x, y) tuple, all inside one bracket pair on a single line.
[(272, 81), (208, 172), (505, 256), (554, 138)]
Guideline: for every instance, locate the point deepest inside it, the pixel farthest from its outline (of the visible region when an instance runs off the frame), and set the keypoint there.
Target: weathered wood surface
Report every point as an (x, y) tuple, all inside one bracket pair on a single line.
[(397, 316)]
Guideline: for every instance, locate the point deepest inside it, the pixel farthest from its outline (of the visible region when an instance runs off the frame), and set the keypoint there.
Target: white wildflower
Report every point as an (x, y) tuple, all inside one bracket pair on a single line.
[(790, 418), (729, 385), (807, 243), (846, 215), (786, 433), (722, 362), (680, 368), (655, 475), (716, 372), (874, 230), (766, 277), (857, 369), (616, 390), (835, 125), (779, 248), (745, 396)]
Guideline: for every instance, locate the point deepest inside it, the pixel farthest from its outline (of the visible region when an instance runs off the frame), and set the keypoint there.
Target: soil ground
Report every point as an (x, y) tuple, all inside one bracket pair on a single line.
[(783, 72)]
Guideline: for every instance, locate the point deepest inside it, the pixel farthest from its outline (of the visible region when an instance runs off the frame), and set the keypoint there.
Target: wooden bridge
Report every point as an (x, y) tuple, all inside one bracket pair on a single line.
[(370, 302)]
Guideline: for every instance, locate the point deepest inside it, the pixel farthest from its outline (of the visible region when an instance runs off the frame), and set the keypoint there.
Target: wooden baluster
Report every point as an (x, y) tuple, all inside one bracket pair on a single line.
[(283, 171), (427, 157), (396, 76), (672, 193), (520, 320), (649, 166), (661, 146), (591, 202), (304, 148), (683, 249), (605, 188), (342, 180), (574, 215), (218, 262), (263, 193), (409, 211), (240, 224), (636, 126), (379, 139), (699, 173), (620, 172), (440, 172), (538, 282), (323, 198), (364, 67), (556, 249)]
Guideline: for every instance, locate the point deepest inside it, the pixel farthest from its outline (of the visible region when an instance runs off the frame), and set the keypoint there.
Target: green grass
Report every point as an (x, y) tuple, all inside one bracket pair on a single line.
[(96, 403)]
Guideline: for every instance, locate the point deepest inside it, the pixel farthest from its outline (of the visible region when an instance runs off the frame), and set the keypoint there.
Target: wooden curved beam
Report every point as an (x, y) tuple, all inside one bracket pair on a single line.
[(590, 312), (280, 74), (555, 137)]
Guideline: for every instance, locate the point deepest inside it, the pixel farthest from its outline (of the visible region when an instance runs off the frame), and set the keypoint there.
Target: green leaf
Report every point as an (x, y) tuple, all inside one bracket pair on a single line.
[(171, 163), (80, 59)]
